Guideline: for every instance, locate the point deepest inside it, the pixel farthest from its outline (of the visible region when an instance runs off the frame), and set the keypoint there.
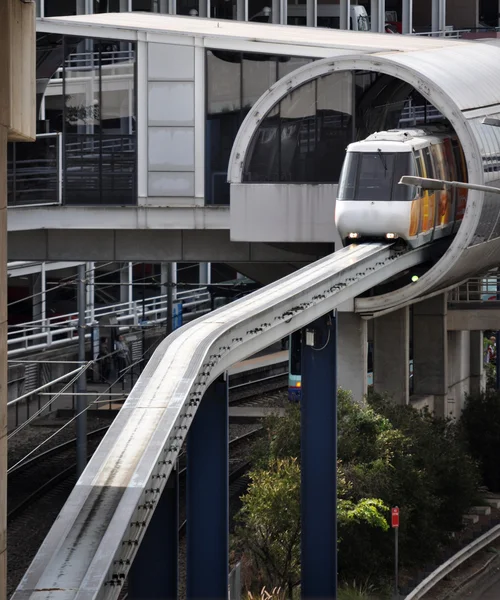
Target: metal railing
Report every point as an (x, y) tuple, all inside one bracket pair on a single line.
[(457, 33), (63, 330), (84, 61), (477, 289), (419, 115), (455, 561), (35, 173)]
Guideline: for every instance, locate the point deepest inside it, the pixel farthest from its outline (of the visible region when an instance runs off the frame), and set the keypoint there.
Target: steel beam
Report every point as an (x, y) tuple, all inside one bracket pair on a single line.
[(154, 572), (207, 502), (319, 459)]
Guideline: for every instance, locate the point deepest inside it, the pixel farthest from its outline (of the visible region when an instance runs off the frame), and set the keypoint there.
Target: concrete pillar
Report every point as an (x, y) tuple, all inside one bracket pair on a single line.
[(476, 362), (458, 372), (391, 355), (407, 17), (242, 10), (90, 278), (39, 292), (377, 15), (345, 10), (352, 354), (205, 276), (126, 283), (438, 15), (3, 356), (312, 13), (275, 11), (17, 123), (430, 351), (164, 277)]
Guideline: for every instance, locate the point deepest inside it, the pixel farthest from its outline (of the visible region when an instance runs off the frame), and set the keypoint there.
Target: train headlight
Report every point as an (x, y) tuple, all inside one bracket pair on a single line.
[(391, 236), (353, 236)]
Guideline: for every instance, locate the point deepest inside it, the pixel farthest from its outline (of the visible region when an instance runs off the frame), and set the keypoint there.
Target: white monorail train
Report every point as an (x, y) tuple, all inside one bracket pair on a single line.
[(371, 205)]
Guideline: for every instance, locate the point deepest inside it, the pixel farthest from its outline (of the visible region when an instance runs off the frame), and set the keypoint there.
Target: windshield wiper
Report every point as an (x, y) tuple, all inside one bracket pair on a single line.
[(381, 156)]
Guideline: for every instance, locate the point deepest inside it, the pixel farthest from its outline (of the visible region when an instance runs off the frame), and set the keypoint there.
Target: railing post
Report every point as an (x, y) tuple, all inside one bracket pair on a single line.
[(59, 168)]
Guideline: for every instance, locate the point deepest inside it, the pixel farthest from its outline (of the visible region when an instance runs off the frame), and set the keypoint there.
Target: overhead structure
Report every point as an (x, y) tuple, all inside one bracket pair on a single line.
[(461, 81), (91, 545)]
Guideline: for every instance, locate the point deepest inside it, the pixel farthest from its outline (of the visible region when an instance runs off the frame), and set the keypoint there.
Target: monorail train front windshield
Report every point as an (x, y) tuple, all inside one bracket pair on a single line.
[(375, 176)]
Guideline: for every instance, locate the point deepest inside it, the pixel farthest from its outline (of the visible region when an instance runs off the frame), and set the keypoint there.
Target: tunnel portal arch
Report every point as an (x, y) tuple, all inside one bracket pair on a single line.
[(461, 82)]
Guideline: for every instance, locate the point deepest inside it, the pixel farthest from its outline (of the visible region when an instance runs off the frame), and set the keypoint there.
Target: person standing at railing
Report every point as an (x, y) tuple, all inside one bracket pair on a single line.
[(104, 360), (122, 356)]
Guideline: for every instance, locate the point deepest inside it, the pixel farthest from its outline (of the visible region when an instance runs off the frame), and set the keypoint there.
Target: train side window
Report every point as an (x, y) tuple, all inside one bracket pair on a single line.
[(429, 168), (459, 160), (441, 172), (417, 154)]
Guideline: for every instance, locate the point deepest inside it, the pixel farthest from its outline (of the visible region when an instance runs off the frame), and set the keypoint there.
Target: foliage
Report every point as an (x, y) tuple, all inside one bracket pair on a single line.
[(270, 518), (480, 422), (274, 594), (389, 455)]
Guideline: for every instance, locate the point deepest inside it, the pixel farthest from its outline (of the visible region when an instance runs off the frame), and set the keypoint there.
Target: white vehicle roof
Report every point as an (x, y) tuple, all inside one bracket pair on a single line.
[(400, 140)]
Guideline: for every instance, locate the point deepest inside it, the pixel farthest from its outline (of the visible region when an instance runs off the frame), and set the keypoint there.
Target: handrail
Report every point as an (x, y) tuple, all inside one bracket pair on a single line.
[(93, 542), (454, 562), (63, 329)]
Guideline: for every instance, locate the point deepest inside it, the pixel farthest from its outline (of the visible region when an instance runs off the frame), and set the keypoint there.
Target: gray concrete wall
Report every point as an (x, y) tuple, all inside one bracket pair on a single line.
[(459, 370), (430, 351), (391, 358), (352, 354), (171, 124), (277, 212)]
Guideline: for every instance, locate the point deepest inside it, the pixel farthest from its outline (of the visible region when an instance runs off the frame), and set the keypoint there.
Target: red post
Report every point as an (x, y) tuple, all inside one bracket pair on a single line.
[(395, 526)]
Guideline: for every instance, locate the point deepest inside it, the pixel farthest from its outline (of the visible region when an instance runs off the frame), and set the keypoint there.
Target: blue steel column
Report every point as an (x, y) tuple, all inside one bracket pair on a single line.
[(207, 497), (319, 461), (154, 572)]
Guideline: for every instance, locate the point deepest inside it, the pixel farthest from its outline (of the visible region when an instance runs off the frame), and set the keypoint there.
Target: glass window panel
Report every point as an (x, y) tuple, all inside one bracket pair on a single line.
[(287, 64), (142, 5), (298, 135), (257, 77), (59, 8), (264, 151), (335, 124), (100, 140), (300, 103), (223, 82), (375, 176)]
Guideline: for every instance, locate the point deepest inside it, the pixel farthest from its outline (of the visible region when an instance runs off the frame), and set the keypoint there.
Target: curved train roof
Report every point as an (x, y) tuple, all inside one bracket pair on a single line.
[(401, 140)]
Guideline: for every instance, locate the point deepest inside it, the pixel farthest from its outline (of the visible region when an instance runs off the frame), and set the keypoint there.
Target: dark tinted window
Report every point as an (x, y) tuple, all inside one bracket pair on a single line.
[(303, 139), (295, 353), (376, 176)]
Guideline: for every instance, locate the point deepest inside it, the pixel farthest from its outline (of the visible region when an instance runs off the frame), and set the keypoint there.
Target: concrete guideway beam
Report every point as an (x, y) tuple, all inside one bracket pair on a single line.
[(89, 542), (391, 355), (353, 354)]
